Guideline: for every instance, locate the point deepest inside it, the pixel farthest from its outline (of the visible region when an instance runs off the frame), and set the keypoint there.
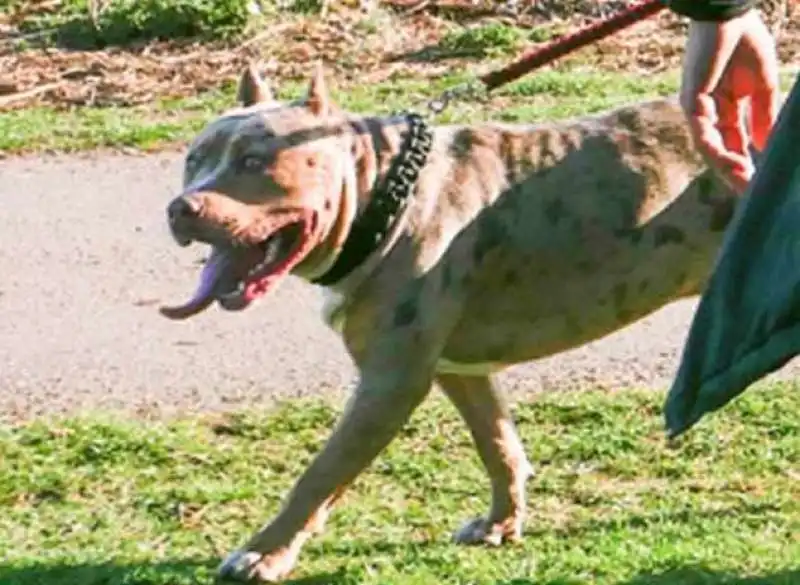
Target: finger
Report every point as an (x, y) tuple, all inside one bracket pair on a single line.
[(765, 96), (735, 168), (732, 121), (765, 107), (709, 48)]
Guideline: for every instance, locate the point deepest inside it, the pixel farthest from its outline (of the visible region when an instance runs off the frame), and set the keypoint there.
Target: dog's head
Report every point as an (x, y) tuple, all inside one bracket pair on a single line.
[(271, 187)]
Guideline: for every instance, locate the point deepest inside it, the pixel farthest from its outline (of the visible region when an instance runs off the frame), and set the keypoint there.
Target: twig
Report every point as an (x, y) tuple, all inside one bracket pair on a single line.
[(418, 7), (18, 38), (96, 9), (275, 30), (29, 93), (184, 58)]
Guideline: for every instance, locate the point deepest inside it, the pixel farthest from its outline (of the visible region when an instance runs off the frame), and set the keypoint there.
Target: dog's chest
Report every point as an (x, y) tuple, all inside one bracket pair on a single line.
[(333, 314)]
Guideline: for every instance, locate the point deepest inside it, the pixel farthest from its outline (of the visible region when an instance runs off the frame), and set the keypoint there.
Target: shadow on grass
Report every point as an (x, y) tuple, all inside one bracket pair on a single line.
[(435, 53), (649, 519), (197, 571), (182, 572), (684, 576), (104, 573)]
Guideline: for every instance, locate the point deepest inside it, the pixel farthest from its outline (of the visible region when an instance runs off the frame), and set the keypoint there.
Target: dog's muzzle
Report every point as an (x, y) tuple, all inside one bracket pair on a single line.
[(181, 212)]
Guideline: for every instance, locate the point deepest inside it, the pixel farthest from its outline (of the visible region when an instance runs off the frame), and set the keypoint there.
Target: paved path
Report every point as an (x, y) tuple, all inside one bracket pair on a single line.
[(85, 258)]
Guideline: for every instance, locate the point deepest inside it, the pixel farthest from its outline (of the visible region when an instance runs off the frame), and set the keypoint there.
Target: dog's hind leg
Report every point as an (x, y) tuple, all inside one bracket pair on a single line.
[(487, 415)]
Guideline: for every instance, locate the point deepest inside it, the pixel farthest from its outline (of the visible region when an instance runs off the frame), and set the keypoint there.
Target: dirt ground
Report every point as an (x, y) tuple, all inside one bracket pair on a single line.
[(401, 38)]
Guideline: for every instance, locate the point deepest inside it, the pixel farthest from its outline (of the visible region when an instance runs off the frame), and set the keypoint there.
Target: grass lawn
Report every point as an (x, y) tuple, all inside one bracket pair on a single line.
[(543, 95), (98, 500)]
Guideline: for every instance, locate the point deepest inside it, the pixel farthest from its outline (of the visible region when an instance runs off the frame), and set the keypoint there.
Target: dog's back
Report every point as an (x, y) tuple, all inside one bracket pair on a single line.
[(574, 229)]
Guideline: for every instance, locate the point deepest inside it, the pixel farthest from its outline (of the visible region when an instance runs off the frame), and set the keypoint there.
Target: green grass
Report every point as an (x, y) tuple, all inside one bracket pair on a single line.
[(495, 39), (492, 39), (99, 500), (546, 95), (86, 24)]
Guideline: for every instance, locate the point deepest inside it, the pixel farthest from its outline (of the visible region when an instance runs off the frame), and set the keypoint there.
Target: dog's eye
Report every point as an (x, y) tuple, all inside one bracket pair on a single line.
[(252, 163)]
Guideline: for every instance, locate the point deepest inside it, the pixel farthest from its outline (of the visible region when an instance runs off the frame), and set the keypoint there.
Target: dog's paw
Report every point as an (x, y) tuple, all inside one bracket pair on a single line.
[(482, 531), (248, 566)]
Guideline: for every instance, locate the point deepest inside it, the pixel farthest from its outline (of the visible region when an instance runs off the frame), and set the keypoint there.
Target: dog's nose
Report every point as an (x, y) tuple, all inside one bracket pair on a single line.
[(181, 208)]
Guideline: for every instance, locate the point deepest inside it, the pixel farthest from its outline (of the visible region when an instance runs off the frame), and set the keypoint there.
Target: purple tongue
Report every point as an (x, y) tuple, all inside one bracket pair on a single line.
[(203, 296), (209, 275)]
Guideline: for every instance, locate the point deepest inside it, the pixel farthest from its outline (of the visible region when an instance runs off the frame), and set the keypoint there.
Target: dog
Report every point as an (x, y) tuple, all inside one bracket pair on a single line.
[(446, 254)]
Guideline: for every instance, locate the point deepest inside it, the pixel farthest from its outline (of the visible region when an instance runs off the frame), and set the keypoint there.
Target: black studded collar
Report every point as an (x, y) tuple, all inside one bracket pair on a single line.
[(372, 226)]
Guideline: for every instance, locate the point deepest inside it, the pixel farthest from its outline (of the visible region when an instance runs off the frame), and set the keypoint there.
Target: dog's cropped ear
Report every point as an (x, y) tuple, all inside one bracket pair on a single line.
[(318, 99), (252, 89)]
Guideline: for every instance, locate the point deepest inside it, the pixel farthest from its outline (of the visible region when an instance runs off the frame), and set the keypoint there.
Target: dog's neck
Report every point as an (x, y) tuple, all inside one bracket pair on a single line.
[(378, 142), (364, 225)]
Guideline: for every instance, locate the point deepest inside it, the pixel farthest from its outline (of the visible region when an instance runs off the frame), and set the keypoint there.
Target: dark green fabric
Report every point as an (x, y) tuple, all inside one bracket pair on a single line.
[(711, 10), (747, 323)]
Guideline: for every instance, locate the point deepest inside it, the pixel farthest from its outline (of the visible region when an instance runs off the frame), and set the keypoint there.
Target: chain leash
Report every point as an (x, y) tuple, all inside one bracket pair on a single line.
[(473, 90)]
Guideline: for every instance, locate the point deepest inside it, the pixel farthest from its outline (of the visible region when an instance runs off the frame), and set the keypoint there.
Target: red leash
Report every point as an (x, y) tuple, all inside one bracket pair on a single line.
[(568, 43)]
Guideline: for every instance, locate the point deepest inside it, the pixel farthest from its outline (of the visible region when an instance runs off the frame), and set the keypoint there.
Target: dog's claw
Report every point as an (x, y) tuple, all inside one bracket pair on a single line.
[(239, 565), (481, 531), (248, 566)]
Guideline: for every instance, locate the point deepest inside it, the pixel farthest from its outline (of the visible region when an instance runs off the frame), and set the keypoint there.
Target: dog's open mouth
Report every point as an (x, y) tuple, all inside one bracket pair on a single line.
[(237, 275)]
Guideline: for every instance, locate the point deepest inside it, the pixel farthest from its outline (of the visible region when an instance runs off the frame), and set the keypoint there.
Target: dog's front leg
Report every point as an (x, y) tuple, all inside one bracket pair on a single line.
[(385, 398), (484, 410)]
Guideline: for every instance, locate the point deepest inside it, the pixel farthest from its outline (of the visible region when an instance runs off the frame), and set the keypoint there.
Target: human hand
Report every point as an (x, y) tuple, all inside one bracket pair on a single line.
[(730, 93)]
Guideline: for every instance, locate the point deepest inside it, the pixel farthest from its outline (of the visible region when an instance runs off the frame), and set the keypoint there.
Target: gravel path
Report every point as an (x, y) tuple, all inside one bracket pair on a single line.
[(85, 259)]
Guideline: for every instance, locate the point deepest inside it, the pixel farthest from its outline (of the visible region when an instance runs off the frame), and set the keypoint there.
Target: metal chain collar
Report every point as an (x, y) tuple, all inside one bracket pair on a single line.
[(388, 200)]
